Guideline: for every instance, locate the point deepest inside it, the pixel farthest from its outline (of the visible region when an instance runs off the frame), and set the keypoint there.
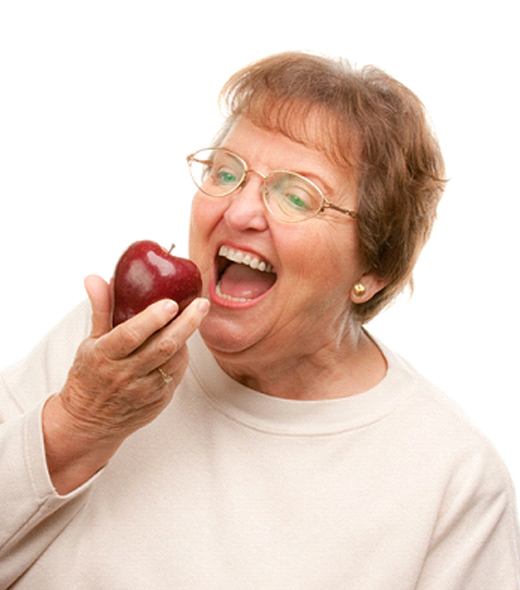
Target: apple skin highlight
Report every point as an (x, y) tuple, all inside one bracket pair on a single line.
[(146, 273)]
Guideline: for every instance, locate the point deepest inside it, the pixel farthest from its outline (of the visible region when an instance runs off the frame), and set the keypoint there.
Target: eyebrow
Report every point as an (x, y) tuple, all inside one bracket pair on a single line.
[(310, 175), (316, 179)]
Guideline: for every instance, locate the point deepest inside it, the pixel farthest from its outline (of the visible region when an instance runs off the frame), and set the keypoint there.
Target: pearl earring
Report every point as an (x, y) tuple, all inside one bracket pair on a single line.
[(359, 289)]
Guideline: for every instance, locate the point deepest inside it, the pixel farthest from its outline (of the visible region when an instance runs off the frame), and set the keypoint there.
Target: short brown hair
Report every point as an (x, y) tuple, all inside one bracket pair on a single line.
[(373, 125)]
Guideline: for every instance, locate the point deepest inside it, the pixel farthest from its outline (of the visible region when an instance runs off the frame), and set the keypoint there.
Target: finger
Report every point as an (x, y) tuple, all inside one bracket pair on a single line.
[(176, 366), (167, 342), (112, 288), (130, 335), (191, 318), (170, 374), (100, 297)]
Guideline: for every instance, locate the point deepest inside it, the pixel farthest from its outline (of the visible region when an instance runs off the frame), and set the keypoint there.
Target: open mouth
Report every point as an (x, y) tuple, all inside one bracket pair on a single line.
[(241, 276)]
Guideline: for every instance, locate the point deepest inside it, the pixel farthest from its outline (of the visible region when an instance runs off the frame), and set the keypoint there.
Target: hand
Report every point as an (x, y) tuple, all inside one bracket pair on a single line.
[(114, 386)]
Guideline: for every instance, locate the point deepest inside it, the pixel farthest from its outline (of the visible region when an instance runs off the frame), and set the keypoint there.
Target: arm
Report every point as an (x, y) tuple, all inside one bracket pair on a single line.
[(113, 387), (51, 452), (31, 512)]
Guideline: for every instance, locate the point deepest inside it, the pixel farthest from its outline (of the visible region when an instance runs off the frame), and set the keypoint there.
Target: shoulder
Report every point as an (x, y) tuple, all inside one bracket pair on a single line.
[(439, 430), (475, 494)]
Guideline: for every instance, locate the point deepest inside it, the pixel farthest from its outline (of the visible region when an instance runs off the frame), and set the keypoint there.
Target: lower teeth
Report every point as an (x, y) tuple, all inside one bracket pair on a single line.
[(230, 297)]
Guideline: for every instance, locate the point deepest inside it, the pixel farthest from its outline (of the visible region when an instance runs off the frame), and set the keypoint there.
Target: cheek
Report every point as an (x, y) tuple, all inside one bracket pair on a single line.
[(198, 223), (205, 214), (198, 212), (327, 257)]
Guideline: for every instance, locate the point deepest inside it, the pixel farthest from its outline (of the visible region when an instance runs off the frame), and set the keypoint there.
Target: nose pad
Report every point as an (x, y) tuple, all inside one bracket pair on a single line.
[(246, 208)]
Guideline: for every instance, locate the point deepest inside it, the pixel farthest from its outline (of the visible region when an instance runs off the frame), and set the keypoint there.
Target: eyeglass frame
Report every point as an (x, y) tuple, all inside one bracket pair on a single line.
[(325, 203)]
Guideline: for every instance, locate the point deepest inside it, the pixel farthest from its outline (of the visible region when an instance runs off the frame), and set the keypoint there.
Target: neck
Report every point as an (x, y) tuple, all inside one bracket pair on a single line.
[(336, 368)]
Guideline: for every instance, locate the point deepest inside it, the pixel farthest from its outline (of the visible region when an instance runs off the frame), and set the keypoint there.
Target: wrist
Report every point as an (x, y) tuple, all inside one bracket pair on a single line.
[(73, 454)]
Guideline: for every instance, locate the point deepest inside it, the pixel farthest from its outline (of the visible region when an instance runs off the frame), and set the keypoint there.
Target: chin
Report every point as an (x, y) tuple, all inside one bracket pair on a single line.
[(226, 337)]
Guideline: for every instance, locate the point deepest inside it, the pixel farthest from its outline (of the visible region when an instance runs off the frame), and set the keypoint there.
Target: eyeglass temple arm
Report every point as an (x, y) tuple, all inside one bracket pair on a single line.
[(192, 158), (348, 212)]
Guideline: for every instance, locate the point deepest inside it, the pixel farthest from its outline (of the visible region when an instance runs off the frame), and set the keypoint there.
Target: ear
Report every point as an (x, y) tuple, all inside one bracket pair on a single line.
[(366, 287)]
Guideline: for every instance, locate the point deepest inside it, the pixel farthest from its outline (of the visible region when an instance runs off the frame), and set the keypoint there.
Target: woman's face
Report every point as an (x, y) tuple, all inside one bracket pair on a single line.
[(305, 303)]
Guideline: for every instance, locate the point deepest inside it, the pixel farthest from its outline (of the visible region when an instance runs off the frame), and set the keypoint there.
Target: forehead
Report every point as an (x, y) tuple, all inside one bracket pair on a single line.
[(267, 149)]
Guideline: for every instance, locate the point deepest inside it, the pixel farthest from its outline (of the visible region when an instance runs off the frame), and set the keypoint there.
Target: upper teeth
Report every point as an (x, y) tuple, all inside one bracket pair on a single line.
[(245, 258)]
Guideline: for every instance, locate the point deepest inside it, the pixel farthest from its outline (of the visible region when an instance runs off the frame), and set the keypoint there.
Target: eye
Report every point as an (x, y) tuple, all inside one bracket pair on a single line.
[(224, 176), (298, 200), (296, 196), (292, 196)]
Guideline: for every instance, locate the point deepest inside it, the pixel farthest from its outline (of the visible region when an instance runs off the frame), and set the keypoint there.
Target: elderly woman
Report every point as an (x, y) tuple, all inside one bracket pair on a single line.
[(263, 438)]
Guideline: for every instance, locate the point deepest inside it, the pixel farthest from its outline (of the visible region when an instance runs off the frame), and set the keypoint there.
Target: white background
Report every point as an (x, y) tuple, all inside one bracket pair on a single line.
[(100, 101)]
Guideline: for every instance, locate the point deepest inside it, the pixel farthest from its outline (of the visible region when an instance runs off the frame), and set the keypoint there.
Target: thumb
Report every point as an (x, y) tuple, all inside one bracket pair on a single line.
[(99, 293)]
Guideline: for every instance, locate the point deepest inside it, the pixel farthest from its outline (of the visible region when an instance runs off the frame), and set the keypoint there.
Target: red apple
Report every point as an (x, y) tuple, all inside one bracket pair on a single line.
[(145, 273)]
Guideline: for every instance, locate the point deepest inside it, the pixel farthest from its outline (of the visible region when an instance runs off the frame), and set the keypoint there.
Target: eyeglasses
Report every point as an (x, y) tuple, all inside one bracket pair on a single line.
[(288, 196)]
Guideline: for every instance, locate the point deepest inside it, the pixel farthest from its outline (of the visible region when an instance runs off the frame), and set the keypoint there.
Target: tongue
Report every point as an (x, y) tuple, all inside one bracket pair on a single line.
[(240, 280)]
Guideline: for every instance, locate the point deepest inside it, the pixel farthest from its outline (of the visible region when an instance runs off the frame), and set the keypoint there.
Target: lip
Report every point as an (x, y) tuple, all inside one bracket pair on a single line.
[(212, 288)]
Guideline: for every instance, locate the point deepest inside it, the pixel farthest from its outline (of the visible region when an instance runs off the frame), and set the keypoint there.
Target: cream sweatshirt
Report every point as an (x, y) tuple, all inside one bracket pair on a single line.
[(229, 488)]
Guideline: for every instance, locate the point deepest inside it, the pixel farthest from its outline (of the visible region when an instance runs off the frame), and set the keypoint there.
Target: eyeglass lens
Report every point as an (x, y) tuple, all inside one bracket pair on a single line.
[(287, 195)]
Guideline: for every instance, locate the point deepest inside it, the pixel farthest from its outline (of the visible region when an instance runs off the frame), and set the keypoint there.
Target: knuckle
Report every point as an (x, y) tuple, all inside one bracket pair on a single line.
[(88, 362), (178, 364), (121, 378), (157, 311), (168, 346), (130, 336), (98, 350), (193, 322), (98, 355), (87, 350)]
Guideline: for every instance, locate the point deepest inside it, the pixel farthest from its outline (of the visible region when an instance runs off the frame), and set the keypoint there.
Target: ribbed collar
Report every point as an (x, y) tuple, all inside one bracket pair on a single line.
[(277, 415)]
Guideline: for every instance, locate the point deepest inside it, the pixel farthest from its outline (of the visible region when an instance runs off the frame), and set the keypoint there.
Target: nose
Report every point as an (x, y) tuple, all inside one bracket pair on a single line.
[(246, 208)]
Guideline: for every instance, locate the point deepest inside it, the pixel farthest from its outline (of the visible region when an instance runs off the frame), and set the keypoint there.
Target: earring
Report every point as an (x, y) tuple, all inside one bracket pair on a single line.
[(359, 289)]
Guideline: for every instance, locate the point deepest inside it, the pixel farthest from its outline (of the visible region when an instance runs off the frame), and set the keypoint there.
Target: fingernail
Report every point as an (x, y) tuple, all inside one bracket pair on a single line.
[(203, 305), (170, 305)]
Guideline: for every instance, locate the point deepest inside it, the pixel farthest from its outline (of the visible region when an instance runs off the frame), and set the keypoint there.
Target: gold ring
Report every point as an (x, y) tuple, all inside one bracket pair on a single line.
[(165, 377)]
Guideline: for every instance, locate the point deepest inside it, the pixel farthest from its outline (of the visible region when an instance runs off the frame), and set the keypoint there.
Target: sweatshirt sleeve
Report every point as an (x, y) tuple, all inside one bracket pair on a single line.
[(475, 544), (32, 513)]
